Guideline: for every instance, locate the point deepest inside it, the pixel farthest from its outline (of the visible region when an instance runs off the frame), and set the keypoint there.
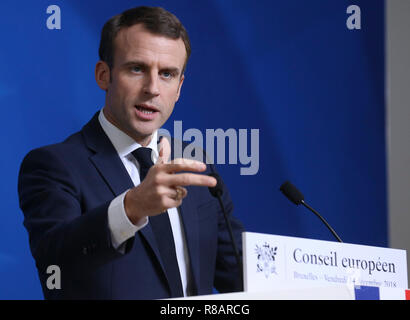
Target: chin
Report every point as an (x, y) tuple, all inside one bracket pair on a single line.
[(143, 132)]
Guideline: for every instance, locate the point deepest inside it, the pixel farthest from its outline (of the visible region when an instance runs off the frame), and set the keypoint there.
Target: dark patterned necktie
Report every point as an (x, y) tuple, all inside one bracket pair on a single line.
[(161, 227)]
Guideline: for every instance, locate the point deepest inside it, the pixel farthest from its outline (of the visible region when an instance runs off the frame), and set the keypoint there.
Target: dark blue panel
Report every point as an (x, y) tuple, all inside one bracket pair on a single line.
[(367, 293)]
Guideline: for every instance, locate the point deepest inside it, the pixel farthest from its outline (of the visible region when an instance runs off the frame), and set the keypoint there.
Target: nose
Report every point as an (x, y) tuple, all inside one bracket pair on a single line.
[(151, 87)]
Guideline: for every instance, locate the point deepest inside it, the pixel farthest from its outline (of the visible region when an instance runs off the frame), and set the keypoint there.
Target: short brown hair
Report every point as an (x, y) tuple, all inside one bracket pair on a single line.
[(155, 19)]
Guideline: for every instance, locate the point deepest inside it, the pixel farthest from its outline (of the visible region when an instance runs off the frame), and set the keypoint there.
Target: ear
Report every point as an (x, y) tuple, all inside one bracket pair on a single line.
[(102, 75), (179, 87)]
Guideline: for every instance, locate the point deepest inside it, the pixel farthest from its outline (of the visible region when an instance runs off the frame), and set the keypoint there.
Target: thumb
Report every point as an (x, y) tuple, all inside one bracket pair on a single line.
[(164, 150)]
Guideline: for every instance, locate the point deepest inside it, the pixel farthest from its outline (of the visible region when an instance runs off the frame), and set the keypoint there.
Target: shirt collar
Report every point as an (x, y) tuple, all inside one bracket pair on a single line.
[(122, 142)]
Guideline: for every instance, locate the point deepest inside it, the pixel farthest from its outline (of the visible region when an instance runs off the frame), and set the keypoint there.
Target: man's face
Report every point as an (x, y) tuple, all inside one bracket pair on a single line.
[(145, 81)]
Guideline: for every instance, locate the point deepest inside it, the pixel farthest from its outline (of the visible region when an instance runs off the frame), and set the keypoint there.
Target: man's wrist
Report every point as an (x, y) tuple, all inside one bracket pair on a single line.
[(121, 227), (132, 213)]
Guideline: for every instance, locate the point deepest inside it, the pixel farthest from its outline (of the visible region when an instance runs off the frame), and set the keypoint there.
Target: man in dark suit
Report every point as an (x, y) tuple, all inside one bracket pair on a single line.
[(107, 206)]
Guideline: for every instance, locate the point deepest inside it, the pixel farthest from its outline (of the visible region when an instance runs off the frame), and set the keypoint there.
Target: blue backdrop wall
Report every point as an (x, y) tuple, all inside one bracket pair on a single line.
[(292, 69)]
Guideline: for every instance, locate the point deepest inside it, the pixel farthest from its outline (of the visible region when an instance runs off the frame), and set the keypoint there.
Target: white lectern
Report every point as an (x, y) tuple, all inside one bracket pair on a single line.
[(279, 267)]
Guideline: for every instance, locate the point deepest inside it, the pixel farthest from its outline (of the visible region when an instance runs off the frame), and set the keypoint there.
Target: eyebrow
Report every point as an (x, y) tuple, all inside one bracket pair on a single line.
[(173, 70)]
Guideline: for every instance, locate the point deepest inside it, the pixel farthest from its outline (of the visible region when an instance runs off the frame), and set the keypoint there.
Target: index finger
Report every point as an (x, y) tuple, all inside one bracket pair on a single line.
[(181, 164), (191, 179)]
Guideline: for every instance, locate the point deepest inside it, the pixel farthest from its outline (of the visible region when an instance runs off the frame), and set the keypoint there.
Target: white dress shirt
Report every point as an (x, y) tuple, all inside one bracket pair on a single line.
[(120, 226)]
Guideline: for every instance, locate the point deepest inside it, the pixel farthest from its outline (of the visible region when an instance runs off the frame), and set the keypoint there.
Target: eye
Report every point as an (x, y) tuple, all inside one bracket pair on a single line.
[(136, 69), (167, 75)]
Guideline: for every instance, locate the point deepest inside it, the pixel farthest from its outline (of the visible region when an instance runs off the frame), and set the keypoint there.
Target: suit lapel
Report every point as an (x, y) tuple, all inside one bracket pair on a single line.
[(111, 168), (105, 157)]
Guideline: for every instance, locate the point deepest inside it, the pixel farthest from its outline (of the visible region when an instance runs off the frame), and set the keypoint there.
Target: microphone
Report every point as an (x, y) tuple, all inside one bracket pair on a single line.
[(217, 192), (294, 195)]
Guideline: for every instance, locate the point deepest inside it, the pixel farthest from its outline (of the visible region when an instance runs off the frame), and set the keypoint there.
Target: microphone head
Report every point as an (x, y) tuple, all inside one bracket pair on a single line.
[(217, 190), (292, 193)]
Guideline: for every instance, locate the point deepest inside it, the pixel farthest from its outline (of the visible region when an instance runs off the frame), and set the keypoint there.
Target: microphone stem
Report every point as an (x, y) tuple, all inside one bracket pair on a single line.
[(235, 248), (323, 220)]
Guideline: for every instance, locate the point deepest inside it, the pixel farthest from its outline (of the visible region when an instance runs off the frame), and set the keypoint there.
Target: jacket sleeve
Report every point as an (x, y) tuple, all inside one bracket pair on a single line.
[(59, 232)]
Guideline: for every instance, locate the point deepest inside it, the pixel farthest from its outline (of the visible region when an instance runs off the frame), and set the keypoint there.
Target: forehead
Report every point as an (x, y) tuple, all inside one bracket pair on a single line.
[(136, 43)]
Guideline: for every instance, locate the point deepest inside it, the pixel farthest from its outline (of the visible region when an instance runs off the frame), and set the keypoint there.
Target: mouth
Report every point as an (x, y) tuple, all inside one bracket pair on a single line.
[(146, 112), (146, 108)]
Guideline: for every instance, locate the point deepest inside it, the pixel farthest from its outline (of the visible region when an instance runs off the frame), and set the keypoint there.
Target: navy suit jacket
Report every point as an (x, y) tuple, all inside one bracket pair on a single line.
[(65, 190)]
